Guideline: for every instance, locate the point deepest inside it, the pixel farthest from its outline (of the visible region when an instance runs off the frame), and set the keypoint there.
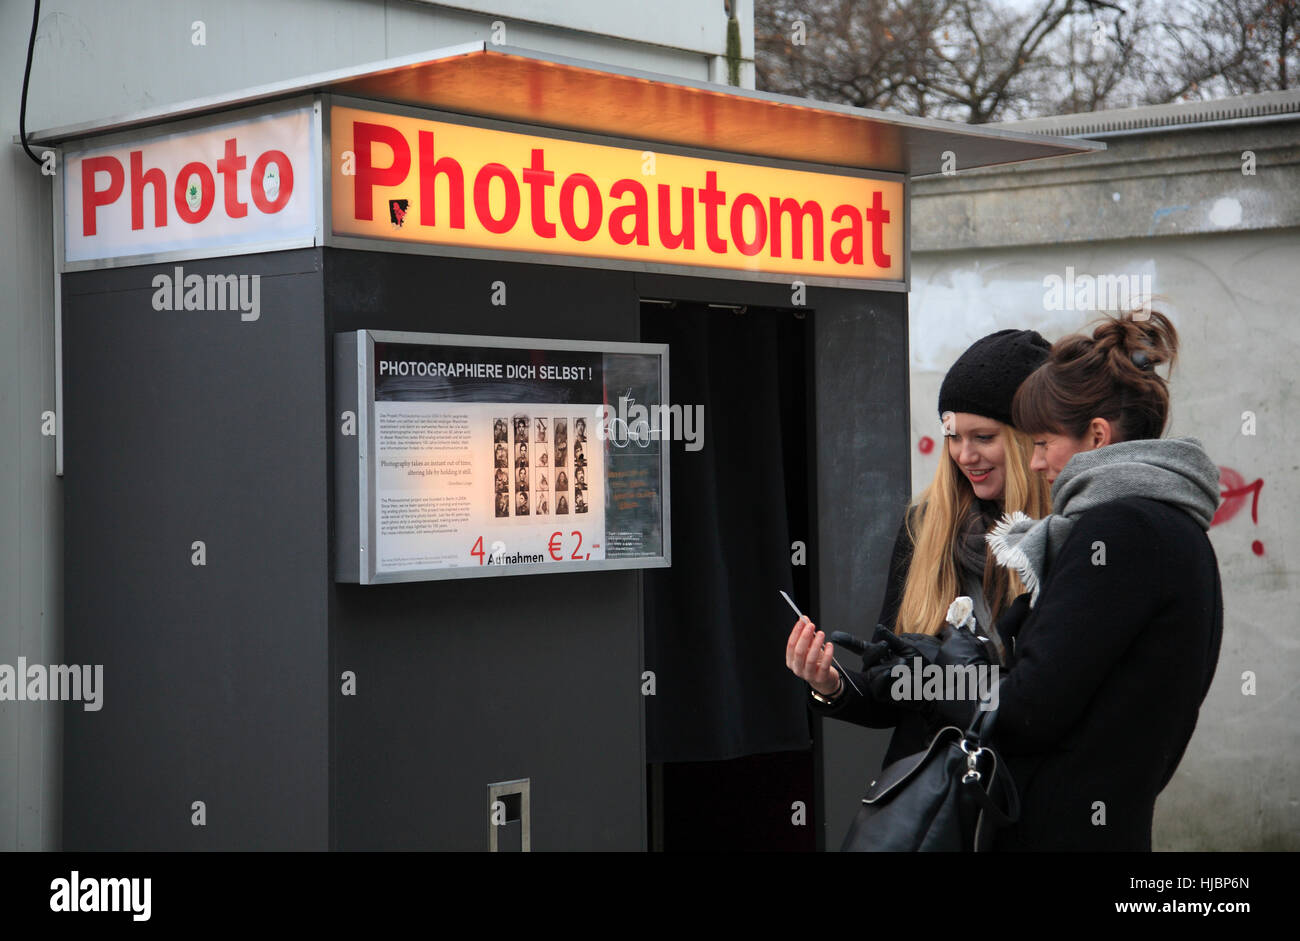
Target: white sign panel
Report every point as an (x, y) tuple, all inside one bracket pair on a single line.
[(464, 484), (230, 187), (493, 456)]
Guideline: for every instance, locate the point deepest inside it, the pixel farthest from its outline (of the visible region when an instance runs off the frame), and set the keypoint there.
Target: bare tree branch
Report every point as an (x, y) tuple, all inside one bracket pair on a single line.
[(983, 60)]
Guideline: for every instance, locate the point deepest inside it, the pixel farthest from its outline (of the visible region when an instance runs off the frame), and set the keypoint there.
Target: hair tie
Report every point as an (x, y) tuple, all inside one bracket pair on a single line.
[(1142, 361)]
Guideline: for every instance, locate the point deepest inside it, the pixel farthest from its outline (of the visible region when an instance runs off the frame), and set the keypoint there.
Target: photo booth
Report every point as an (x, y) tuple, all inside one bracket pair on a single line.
[(288, 320)]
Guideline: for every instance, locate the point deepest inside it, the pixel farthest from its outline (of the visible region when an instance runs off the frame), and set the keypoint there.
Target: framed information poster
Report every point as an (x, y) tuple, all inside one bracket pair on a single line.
[(479, 456)]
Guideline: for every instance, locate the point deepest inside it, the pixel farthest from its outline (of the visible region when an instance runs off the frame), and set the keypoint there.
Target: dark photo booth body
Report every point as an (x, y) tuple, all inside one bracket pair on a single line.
[(290, 321)]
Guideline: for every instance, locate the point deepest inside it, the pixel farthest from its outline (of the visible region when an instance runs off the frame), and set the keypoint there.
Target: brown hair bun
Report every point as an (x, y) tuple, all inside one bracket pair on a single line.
[(1109, 375)]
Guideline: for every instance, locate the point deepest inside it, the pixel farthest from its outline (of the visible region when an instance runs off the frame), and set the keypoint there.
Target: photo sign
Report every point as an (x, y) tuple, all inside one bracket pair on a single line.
[(485, 456), (237, 186), (429, 182)]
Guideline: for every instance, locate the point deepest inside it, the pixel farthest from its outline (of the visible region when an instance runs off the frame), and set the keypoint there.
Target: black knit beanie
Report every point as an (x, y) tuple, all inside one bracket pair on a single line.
[(985, 378)]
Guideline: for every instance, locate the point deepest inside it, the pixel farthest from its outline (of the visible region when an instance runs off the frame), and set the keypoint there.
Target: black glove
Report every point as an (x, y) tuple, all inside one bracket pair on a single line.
[(950, 647), (896, 650), (907, 646), (961, 647)]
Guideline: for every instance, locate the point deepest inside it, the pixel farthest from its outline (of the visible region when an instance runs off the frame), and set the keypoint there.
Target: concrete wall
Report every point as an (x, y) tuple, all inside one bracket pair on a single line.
[(31, 523), (1223, 249), (94, 60), (98, 59)]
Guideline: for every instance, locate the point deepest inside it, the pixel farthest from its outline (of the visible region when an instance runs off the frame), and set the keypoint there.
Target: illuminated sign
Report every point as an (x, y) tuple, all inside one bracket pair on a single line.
[(231, 187), (254, 184), (415, 180)]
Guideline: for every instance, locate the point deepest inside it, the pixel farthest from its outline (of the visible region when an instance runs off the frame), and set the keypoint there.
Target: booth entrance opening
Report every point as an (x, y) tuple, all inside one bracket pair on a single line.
[(727, 715)]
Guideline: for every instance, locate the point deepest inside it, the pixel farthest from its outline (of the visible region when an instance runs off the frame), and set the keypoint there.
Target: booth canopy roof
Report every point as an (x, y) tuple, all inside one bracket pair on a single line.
[(529, 87)]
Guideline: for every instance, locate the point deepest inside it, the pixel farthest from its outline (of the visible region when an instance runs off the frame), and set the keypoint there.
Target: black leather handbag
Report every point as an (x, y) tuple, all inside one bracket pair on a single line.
[(952, 797)]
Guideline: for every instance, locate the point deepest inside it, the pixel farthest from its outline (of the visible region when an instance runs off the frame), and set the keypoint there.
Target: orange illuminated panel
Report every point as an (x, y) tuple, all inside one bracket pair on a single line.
[(414, 180)]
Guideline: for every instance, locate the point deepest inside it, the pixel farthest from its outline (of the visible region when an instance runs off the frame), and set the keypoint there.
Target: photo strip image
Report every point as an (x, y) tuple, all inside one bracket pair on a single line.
[(523, 488), (541, 465)]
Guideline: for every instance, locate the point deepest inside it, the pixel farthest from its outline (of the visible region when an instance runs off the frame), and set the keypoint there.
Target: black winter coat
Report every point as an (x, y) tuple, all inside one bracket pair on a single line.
[(1106, 677), (1109, 671)]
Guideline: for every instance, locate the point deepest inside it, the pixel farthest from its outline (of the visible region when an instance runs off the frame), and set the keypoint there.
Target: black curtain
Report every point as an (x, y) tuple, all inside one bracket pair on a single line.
[(715, 626)]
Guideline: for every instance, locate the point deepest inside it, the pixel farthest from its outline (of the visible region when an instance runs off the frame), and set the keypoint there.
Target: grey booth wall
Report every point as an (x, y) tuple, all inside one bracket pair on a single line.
[(222, 682), (184, 426)]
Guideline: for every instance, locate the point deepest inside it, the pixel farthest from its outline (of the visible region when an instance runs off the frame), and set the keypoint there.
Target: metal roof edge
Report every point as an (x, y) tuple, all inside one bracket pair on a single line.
[(811, 104), (325, 81), (1240, 109)]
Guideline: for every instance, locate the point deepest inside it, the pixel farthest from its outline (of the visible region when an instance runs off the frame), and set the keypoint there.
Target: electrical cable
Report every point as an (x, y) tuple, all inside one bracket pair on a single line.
[(27, 74)]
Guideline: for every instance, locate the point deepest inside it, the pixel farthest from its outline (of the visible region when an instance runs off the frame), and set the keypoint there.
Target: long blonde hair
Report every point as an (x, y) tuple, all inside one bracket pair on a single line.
[(933, 577)]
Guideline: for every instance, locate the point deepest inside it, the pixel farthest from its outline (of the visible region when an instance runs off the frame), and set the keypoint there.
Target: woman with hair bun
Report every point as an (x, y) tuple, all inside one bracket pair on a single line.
[(940, 552), (1115, 643)]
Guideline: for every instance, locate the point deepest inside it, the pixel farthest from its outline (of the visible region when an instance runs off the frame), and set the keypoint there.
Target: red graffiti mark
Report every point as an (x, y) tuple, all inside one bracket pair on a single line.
[(1233, 490), (925, 445)]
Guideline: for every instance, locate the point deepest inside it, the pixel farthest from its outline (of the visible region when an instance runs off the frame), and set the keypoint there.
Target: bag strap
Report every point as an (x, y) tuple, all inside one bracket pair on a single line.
[(981, 727), (997, 816), (981, 731)]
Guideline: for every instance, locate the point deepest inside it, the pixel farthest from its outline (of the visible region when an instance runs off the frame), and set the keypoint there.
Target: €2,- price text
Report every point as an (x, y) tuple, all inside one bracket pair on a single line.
[(554, 546)]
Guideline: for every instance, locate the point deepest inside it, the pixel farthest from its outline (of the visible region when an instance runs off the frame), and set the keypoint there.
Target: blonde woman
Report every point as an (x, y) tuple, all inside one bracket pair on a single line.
[(941, 552)]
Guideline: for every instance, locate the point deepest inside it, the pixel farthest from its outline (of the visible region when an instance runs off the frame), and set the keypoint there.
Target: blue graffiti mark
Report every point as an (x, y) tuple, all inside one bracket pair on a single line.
[(1161, 213)]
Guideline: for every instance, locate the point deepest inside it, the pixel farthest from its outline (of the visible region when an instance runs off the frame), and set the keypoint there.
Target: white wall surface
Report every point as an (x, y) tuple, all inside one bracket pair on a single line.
[(1233, 300)]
